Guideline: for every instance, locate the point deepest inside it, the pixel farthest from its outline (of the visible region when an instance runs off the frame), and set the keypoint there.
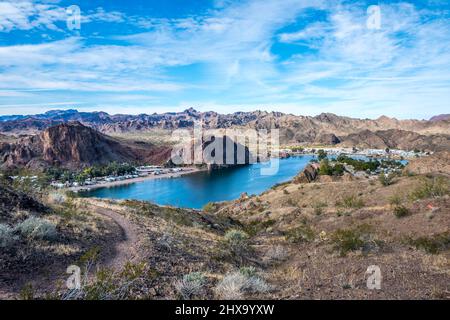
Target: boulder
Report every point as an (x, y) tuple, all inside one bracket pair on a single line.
[(309, 174)]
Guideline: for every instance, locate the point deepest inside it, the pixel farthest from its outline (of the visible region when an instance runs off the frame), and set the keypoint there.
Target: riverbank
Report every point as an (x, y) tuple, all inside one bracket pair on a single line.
[(108, 184)]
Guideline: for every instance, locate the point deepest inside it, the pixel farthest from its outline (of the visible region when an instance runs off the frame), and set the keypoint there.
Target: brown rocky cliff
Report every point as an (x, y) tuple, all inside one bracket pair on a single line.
[(74, 145), (309, 174)]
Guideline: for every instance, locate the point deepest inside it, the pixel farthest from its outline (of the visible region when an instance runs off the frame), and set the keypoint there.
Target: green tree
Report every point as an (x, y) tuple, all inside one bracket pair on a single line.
[(321, 154)]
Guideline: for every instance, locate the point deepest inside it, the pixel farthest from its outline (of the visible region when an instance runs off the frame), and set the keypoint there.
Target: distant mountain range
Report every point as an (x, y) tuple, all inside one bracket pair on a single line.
[(92, 130), (440, 117), (295, 127)]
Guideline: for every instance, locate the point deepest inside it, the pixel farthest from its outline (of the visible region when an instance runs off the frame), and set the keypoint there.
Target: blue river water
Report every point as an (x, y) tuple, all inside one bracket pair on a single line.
[(197, 189)]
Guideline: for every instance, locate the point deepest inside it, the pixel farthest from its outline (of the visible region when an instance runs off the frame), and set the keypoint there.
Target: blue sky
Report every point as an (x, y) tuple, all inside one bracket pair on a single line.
[(297, 56)]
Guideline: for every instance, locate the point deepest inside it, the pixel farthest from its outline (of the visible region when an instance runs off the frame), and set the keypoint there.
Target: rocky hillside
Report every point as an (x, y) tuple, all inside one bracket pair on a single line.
[(440, 117), (12, 200), (74, 145), (438, 163), (396, 139)]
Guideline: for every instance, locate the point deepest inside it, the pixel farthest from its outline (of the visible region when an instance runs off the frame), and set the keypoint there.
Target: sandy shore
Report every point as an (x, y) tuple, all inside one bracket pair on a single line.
[(187, 170)]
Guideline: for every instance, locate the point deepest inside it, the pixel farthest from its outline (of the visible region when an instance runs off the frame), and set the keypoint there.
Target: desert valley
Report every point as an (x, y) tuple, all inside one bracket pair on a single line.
[(352, 193)]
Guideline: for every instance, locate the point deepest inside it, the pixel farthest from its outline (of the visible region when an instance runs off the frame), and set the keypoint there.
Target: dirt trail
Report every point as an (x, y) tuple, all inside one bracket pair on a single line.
[(127, 247)]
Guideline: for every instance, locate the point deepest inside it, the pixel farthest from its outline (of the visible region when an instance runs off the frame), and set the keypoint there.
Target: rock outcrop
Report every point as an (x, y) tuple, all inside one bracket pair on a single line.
[(309, 174), (74, 145), (12, 200)]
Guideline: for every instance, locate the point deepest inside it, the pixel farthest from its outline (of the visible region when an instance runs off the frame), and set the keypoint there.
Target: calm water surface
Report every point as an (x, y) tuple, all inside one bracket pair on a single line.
[(197, 189)]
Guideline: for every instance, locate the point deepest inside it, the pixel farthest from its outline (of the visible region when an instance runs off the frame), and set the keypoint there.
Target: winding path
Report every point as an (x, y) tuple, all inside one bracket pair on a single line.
[(126, 249)]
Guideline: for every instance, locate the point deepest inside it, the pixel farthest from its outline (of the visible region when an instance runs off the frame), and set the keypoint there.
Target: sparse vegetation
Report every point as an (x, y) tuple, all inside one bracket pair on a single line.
[(37, 228), (129, 283), (395, 200), (234, 285), (302, 233), (276, 254), (256, 226), (431, 188), (319, 206), (432, 244), (350, 202)]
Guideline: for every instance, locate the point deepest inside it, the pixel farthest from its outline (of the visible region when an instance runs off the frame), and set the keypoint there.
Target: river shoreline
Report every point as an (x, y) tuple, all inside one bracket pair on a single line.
[(186, 171)]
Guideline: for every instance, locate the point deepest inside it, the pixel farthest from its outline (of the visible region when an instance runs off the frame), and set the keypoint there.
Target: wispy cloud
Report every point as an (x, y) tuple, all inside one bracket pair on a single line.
[(302, 56)]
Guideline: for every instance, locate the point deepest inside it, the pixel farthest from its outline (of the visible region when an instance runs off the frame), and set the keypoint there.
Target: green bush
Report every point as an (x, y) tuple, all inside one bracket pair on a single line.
[(256, 226), (433, 244), (401, 211), (359, 165), (321, 154), (346, 240), (37, 228), (386, 179), (236, 245)]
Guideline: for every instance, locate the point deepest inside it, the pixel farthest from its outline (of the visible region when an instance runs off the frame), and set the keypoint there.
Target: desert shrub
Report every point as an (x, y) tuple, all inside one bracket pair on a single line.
[(37, 228), (431, 188), (209, 207), (7, 237), (285, 191), (191, 285), (318, 207), (248, 271), (235, 245), (350, 202), (177, 216), (386, 179), (57, 198), (433, 244), (276, 254), (395, 200), (129, 283), (300, 234), (256, 226), (401, 211), (346, 240), (236, 237), (234, 285)]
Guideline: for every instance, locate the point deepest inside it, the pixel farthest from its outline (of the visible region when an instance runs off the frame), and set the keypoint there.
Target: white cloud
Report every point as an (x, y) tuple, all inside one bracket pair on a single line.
[(26, 15), (345, 67)]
